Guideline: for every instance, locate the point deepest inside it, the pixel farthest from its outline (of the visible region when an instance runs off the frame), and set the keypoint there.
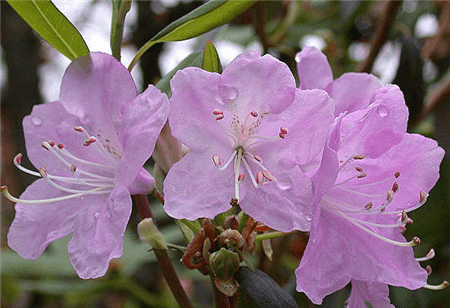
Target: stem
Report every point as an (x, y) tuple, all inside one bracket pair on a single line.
[(221, 299), (120, 9), (163, 258), (271, 235)]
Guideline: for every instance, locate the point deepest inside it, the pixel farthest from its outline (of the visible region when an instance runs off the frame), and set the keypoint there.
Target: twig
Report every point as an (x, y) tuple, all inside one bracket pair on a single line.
[(163, 258), (381, 34)]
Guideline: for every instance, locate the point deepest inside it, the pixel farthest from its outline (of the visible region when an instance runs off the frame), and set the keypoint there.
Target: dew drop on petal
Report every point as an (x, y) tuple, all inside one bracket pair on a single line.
[(284, 181), (308, 215), (227, 93), (97, 214), (36, 121), (382, 111)]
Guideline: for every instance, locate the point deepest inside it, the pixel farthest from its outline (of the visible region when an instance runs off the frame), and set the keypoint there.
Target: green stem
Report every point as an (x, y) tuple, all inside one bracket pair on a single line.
[(166, 266), (242, 217), (120, 9), (271, 235)]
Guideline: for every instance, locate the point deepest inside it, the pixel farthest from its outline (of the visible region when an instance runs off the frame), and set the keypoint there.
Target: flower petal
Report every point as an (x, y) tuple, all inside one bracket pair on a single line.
[(35, 226), (338, 251), (313, 69), (353, 91), (194, 97), (377, 294), (284, 204), (141, 120), (257, 83), (98, 235), (94, 89), (194, 187)]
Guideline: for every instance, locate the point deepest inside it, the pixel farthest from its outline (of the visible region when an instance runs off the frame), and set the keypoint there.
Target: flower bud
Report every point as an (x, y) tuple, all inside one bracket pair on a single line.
[(224, 263), (149, 233)]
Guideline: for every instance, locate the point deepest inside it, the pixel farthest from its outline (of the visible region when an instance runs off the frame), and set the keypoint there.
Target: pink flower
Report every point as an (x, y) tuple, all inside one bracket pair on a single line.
[(89, 148), (372, 174), (252, 136)]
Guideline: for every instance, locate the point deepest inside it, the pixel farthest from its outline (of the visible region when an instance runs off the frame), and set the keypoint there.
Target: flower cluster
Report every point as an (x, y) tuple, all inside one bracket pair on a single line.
[(331, 157)]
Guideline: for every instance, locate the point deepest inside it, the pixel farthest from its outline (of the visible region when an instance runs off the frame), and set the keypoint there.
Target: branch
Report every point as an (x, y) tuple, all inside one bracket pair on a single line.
[(381, 34)]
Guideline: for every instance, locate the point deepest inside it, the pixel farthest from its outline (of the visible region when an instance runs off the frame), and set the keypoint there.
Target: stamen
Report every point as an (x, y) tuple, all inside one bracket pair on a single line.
[(415, 241), (442, 286), (258, 158), (359, 169), (90, 141), (268, 175), (216, 160), (66, 153), (283, 130), (395, 187), (228, 162), (254, 114), (5, 192), (361, 175), (397, 174), (359, 156), (422, 201), (428, 269), (430, 255), (368, 206), (259, 178), (247, 167), (241, 177)]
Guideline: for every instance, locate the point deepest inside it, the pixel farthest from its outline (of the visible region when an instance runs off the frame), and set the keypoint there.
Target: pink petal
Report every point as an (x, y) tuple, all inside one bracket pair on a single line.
[(377, 294), (353, 91), (98, 235), (36, 226), (141, 120), (94, 89), (313, 69)]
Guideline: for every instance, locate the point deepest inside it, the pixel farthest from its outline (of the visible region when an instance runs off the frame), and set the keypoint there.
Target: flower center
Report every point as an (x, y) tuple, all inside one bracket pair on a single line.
[(98, 180), (243, 139)]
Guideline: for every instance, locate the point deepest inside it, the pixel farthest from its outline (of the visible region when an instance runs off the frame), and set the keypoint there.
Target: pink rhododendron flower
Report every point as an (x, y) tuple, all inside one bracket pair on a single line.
[(374, 293), (252, 136), (372, 174), (89, 148)]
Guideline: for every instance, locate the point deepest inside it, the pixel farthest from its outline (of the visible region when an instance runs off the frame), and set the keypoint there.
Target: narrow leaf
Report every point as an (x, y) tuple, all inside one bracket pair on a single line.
[(201, 20), (52, 26)]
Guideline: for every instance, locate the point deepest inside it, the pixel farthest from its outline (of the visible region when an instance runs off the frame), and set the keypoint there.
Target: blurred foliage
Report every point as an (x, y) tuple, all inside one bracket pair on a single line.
[(345, 30)]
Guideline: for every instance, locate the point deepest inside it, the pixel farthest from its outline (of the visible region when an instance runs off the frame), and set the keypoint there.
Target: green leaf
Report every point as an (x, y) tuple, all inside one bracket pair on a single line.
[(201, 20), (211, 61), (368, 304), (52, 26)]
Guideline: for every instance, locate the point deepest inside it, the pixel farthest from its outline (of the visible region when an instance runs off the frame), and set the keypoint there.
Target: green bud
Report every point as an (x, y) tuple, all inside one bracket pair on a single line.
[(224, 263), (149, 233)]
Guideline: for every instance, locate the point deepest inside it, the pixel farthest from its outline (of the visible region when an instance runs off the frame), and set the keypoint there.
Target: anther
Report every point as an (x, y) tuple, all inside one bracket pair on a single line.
[(18, 158), (368, 206), (78, 129), (359, 156), (282, 136), (361, 175), (52, 144), (283, 130), (268, 175), (217, 112), (359, 169), (416, 240), (216, 160), (254, 114), (45, 145), (241, 177), (423, 196), (73, 168), (428, 269), (395, 187), (89, 141), (259, 177), (404, 216), (397, 174), (60, 146), (258, 158), (390, 195)]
